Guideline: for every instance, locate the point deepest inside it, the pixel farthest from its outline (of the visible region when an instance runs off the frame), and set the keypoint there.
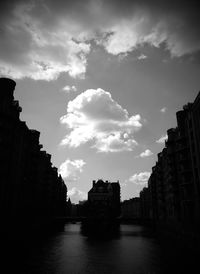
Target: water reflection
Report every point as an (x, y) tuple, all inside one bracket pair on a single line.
[(74, 249), (101, 231)]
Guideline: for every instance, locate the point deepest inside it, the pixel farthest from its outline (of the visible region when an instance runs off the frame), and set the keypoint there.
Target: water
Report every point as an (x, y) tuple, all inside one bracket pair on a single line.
[(131, 249)]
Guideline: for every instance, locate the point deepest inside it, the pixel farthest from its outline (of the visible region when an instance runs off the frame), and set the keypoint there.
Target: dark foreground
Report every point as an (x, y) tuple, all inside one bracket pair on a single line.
[(71, 249)]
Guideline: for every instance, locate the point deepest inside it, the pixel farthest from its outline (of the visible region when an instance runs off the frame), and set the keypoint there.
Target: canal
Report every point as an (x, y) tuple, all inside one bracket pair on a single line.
[(131, 249)]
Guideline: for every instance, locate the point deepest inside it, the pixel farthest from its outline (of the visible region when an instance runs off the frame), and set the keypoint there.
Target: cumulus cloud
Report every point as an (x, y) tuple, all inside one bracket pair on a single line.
[(70, 170), (76, 195), (162, 139), (68, 89), (42, 39), (140, 178), (163, 110), (141, 57), (94, 116), (146, 153)]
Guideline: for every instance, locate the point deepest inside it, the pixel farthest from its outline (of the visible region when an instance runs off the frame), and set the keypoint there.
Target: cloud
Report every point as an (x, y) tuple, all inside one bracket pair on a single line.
[(142, 57), (154, 23), (94, 116), (140, 178), (70, 170), (162, 139), (163, 110), (68, 89), (42, 39), (37, 44), (76, 195), (122, 39), (146, 153)]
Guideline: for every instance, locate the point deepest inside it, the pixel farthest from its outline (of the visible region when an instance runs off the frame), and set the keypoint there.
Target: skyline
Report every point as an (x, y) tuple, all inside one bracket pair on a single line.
[(102, 82)]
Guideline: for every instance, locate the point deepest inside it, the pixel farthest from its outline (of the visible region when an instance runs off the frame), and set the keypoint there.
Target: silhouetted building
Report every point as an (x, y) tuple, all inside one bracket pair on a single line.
[(195, 137), (130, 209), (104, 199), (68, 208), (74, 210), (173, 193), (171, 177), (185, 174), (82, 208), (30, 188), (145, 204)]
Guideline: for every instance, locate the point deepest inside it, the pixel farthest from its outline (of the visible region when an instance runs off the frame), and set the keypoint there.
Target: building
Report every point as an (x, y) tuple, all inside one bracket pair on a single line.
[(153, 200), (104, 199), (130, 209), (145, 204), (194, 140), (173, 193), (172, 179), (185, 164), (30, 187)]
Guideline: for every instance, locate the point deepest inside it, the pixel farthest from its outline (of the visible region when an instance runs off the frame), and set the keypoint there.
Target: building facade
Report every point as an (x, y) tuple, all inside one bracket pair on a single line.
[(130, 209), (104, 199), (173, 192), (30, 187)]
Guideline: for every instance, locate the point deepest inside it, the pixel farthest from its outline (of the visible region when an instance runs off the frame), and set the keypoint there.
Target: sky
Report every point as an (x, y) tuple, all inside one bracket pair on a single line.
[(102, 81)]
